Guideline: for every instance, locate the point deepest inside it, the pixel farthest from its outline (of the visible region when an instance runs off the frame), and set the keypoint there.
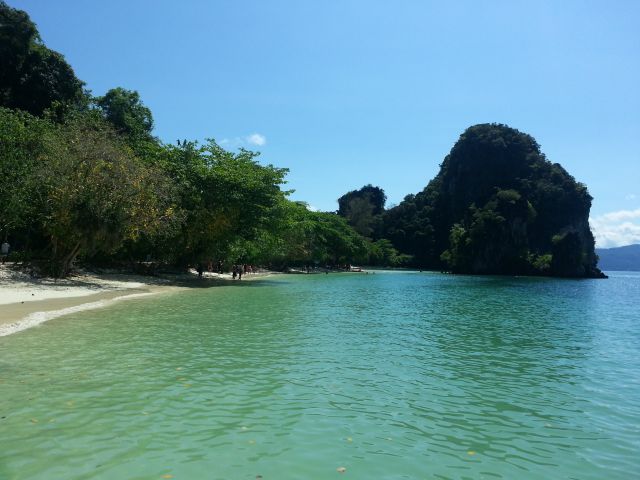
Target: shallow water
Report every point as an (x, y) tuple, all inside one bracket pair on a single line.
[(391, 376)]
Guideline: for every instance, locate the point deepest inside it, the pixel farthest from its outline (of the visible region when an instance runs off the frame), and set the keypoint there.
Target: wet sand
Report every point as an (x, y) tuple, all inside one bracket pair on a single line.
[(13, 312), (26, 302)]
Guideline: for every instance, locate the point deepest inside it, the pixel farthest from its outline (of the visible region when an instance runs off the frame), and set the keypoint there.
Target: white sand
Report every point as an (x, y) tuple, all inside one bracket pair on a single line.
[(26, 301), (17, 287)]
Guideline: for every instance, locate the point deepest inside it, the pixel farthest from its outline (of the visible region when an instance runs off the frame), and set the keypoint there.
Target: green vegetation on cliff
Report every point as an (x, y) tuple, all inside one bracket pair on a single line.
[(497, 206), (33, 78)]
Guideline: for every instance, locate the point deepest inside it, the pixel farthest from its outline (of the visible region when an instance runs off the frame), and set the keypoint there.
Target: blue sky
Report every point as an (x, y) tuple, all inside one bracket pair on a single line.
[(350, 92)]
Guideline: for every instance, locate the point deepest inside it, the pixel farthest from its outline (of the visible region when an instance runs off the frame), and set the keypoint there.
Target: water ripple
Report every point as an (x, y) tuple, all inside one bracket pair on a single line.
[(393, 376)]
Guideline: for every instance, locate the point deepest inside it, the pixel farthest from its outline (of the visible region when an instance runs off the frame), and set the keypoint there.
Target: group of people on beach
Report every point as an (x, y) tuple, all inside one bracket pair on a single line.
[(237, 270)]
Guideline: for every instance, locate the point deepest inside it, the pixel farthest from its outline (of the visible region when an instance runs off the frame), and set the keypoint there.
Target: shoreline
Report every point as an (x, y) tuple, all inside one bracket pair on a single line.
[(26, 302), (22, 316)]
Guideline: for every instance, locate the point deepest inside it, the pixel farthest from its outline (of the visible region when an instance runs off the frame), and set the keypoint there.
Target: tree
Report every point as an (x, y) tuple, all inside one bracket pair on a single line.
[(23, 140), (226, 197), (126, 112), (359, 214), (97, 194), (303, 237)]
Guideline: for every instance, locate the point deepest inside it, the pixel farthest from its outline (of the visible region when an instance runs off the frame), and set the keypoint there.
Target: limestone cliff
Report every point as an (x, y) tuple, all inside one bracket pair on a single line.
[(497, 206)]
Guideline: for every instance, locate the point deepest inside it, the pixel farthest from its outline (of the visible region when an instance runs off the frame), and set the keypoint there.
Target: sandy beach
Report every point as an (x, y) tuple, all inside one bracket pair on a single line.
[(26, 301)]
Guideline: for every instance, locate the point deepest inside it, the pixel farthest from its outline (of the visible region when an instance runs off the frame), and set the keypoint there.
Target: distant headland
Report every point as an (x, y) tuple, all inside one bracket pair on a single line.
[(625, 258)]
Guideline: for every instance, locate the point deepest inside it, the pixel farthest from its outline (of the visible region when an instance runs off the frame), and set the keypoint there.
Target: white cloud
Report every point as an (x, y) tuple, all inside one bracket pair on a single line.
[(256, 139), (631, 196), (311, 208), (620, 215), (615, 229)]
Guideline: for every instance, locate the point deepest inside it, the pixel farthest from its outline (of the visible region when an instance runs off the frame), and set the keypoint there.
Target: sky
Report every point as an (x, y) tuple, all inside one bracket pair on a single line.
[(350, 92)]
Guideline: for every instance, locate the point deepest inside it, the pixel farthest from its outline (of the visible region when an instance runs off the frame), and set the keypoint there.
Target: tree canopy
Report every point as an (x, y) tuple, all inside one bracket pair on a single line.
[(84, 178), (78, 190), (126, 112)]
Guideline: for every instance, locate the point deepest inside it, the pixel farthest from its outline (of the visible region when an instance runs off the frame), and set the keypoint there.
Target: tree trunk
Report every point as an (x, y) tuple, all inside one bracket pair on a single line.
[(68, 260)]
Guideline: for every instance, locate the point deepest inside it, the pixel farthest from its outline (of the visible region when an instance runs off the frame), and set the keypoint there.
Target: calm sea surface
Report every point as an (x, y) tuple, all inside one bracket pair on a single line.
[(390, 376)]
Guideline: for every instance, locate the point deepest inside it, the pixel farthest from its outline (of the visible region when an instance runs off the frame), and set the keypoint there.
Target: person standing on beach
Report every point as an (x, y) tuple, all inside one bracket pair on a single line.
[(4, 251)]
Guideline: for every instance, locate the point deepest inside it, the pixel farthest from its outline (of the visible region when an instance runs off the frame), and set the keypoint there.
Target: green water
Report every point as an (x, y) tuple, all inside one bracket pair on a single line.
[(391, 376)]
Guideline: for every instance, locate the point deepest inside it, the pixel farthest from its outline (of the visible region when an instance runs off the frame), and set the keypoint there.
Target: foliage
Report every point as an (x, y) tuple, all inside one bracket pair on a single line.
[(22, 146), (524, 200), (33, 78), (374, 195), (541, 263), (129, 116), (225, 197), (100, 194), (315, 238), (492, 239), (383, 254), (77, 190)]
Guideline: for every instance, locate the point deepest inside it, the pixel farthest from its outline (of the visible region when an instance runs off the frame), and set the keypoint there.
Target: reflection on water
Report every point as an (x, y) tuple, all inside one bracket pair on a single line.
[(392, 375)]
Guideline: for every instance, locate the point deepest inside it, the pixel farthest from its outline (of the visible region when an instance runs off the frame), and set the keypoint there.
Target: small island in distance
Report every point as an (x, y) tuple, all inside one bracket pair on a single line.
[(497, 206)]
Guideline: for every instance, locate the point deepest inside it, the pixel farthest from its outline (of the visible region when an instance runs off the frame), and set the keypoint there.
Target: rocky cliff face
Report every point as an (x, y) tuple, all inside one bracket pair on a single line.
[(498, 206)]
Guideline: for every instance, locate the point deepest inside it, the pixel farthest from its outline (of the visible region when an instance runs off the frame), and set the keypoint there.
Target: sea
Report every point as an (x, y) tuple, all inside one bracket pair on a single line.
[(377, 375)]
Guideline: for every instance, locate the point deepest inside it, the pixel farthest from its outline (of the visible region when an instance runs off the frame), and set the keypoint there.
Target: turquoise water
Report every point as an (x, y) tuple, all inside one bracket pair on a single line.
[(390, 376)]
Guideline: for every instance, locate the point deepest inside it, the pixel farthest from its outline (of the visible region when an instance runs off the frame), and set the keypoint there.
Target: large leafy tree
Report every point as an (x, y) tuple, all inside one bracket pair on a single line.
[(126, 112), (97, 194), (383, 253), (225, 197)]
